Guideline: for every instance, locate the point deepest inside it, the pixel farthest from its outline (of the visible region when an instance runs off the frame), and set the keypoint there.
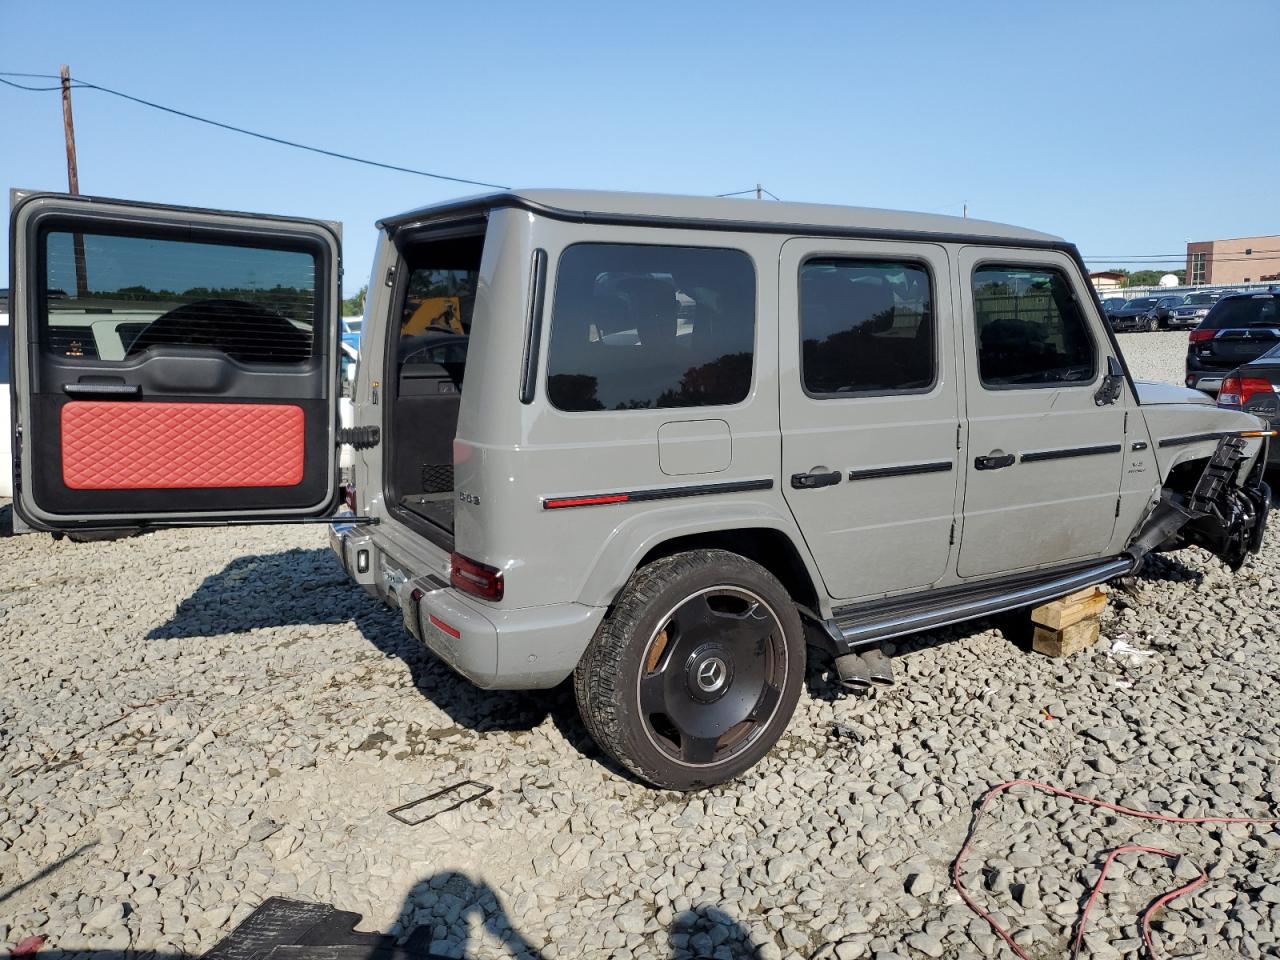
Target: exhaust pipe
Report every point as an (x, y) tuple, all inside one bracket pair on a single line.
[(853, 671), (879, 667)]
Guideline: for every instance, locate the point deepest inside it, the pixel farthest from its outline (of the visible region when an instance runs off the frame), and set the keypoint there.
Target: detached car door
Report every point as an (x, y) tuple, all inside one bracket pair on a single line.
[(171, 365)]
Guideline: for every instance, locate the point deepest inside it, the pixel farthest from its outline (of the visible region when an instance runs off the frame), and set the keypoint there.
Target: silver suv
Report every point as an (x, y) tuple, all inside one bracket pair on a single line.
[(650, 443)]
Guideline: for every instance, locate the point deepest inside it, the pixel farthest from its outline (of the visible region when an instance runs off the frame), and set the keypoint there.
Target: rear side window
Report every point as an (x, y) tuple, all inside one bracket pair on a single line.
[(638, 327), (866, 326), (4, 359), (1030, 330), (110, 297), (1258, 311)]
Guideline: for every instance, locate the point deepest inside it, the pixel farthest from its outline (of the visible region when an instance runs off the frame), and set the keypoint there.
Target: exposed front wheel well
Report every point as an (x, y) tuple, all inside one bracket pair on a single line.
[(772, 549)]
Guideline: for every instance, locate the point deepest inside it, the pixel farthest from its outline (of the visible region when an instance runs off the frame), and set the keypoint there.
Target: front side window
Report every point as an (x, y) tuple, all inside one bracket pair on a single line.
[(1029, 328), (114, 297), (640, 327), (866, 326)]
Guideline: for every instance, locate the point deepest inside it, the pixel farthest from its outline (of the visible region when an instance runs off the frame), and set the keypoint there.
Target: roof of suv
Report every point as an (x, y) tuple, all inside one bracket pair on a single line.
[(722, 213)]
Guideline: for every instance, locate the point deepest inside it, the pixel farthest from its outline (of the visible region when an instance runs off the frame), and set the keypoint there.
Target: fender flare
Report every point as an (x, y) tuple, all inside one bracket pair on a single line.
[(637, 536)]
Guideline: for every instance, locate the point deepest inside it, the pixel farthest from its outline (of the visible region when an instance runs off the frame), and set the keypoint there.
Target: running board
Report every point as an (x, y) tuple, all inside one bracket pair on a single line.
[(855, 628)]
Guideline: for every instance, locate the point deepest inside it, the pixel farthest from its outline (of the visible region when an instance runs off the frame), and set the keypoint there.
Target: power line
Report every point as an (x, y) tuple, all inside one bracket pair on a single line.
[(85, 84)]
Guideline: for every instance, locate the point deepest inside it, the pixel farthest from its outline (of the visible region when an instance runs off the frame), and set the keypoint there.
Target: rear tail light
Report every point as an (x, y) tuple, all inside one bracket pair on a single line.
[(1199, 336), (478, 579), (1238, 391)]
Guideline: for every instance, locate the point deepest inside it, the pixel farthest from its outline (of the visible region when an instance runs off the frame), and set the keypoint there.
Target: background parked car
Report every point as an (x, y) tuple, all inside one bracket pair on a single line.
[(1112, 304), (1136, 314), (1239, 329), (1194, 308), (1253, 389), (1164, 308)]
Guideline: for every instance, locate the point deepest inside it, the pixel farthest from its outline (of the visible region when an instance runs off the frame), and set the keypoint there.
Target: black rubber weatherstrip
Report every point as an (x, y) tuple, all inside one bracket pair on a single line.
[(655, 493), (906, 470), (1068, 452), (1192, 438)]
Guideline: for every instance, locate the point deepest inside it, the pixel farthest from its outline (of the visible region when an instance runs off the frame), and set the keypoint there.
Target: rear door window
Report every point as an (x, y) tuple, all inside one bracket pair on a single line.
[(1238, 312), (639, 327), (866, 326), (1030, 330), (114, 297)]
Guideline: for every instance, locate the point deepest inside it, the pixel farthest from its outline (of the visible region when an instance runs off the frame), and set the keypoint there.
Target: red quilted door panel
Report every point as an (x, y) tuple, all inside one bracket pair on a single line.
[(150, 446)]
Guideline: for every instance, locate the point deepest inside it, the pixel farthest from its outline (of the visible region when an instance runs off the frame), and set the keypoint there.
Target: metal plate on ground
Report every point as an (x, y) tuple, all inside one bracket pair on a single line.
[(295, 930)]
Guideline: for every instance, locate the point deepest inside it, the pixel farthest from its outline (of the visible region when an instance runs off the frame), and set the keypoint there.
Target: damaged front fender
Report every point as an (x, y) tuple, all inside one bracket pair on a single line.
[(1226, 517)]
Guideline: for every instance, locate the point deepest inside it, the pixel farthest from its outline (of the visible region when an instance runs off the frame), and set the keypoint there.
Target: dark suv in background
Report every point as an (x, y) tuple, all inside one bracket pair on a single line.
[(1193, 309), (1136, 314), (1238, 329)]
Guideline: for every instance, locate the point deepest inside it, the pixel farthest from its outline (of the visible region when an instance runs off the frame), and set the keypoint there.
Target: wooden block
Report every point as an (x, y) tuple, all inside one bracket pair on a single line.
[(1063, 643), (1081, 605)]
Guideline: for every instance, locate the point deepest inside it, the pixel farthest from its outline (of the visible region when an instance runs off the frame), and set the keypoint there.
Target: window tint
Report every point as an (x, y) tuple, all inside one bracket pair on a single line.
[(115, 297), (1030, 330), (865, 326), (640, 327), (1262, 310), (4, 360)]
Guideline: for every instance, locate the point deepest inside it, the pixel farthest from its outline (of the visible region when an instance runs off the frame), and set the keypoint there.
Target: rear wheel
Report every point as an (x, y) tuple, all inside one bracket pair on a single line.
[(696, 672)]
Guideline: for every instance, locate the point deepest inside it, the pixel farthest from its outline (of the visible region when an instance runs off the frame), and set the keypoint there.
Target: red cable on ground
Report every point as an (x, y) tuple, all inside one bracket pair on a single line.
[(1147, 914)]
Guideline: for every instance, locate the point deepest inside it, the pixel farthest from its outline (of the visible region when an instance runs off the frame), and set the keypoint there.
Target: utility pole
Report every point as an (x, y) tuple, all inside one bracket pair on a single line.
[(73, 179), (759, 192)]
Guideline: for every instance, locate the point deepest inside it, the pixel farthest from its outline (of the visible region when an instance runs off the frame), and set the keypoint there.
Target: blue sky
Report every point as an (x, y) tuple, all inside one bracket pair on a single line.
[(1129, 128)]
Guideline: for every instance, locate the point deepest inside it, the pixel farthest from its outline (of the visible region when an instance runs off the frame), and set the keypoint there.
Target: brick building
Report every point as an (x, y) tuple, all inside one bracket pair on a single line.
[(1242, 260)]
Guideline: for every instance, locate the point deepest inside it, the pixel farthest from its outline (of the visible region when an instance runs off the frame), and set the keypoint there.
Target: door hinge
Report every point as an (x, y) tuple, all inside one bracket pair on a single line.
[(1118, 499), (391, 276), (362, 438), (951, 537), (959, 430)]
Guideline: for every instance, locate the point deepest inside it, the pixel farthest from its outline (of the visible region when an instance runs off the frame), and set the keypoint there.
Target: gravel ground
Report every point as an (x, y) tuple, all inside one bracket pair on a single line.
[(193, 721)]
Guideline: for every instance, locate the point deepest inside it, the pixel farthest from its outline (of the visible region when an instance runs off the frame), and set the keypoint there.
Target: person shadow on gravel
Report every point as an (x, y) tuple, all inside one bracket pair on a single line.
[(443, 914)]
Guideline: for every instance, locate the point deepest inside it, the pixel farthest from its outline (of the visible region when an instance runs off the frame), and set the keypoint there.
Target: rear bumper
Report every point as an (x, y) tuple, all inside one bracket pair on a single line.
[(525, 648)]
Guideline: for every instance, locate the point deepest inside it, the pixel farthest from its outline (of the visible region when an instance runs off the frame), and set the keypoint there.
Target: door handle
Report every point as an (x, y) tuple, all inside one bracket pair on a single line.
[(818, 477), (993, 462)]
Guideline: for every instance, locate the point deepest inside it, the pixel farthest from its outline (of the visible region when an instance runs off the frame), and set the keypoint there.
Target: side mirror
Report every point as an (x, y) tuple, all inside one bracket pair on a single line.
[(1109, 392)]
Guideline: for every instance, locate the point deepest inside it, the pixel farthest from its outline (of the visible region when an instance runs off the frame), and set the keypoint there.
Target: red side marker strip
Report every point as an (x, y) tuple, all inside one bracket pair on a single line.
[(437, 622), (558, 502)]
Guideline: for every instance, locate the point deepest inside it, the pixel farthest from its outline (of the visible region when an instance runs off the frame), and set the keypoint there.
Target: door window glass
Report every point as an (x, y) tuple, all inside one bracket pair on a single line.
[(637, 327), (866, 326), (112, 297), (1029, 328)]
